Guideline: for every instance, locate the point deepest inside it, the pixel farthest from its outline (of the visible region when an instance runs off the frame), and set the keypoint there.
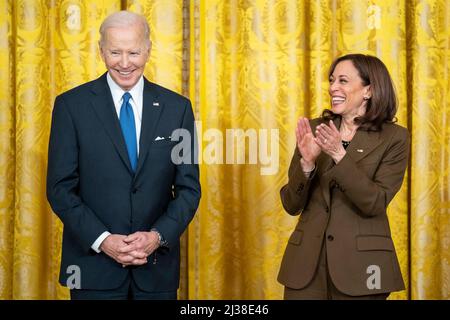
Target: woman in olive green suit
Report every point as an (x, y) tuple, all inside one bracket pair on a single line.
[(347, 166)]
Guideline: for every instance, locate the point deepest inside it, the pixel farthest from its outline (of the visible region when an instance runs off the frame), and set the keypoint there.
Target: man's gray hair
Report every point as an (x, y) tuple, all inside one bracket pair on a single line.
[(124, 19)]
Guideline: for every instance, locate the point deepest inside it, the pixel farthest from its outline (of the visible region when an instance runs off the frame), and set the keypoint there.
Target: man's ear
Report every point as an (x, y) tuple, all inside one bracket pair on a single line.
[(100, 48), (149, 49)]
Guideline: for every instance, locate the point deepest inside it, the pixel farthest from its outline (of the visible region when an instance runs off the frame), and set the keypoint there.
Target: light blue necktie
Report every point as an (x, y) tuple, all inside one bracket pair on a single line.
[(129, 129)]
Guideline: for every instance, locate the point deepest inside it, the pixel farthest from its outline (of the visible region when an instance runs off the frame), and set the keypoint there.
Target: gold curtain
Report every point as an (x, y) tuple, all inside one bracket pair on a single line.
[(255, 65), (429, 97)]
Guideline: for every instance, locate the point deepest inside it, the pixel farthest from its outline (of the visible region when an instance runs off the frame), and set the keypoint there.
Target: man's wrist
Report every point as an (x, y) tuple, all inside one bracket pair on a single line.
[(161, 240), (96, 246)]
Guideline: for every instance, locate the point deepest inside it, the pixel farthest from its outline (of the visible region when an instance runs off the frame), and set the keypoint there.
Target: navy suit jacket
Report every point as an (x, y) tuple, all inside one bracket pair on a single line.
[(92, 189)]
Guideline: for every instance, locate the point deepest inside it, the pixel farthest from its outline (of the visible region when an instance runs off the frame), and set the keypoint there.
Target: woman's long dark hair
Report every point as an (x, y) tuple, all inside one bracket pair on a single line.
[(382, 106)]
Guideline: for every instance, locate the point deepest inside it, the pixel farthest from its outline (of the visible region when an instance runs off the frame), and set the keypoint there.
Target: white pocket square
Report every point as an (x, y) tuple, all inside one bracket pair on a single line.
[(158, 138)]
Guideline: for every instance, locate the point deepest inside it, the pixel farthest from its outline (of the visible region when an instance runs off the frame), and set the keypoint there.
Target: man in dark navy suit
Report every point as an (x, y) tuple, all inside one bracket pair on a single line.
[(114, 179)]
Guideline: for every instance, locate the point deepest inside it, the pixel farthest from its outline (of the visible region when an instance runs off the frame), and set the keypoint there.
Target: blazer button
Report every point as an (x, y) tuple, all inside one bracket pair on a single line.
[(330, 237), (134, 190), (327, 210)]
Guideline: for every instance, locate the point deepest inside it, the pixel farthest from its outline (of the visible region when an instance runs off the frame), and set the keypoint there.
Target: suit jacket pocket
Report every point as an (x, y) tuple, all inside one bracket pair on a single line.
[(296, 237), (163, 143), (374, 243)]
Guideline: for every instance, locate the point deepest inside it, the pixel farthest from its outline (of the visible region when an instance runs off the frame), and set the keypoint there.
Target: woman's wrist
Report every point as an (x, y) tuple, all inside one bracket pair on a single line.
[(307, 166), (338, 157)]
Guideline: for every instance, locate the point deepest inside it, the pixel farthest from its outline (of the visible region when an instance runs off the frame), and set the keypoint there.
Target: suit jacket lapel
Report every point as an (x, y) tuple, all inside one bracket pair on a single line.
[(103, 105), (324, 164), (151, 112), (361, 145)]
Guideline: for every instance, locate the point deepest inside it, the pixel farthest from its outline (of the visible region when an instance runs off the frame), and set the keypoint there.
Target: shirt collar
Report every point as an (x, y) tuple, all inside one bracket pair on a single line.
[(117, 92)]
